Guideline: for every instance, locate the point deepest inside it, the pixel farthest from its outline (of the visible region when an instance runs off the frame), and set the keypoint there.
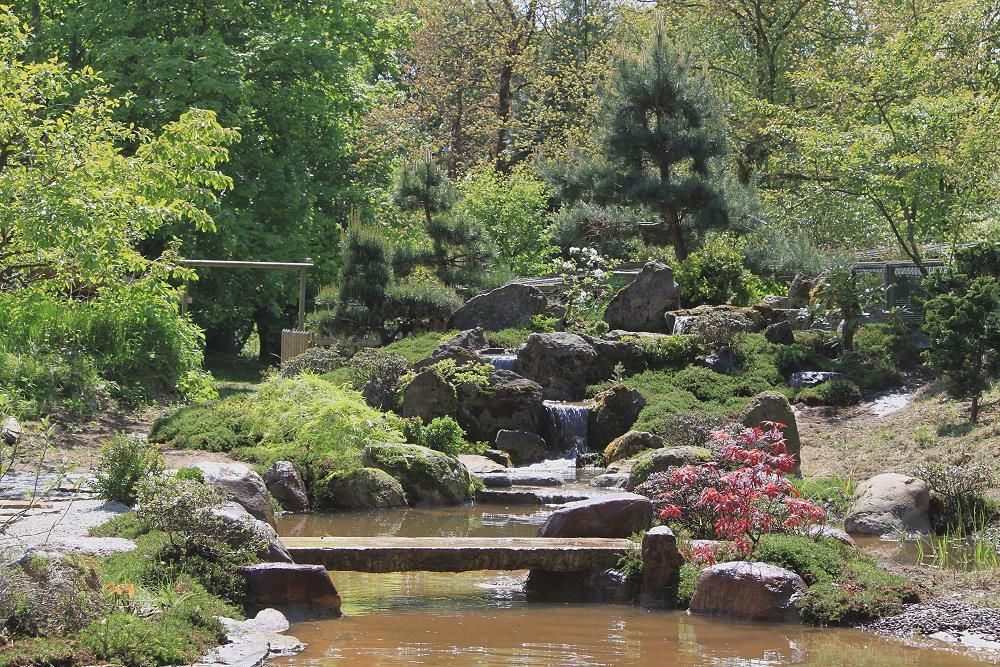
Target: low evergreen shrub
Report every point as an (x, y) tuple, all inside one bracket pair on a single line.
[(125, 462)]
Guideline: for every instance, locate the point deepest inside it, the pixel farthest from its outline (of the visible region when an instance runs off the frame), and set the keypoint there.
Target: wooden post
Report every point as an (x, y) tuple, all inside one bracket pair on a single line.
[(889, 280), (302, 299)]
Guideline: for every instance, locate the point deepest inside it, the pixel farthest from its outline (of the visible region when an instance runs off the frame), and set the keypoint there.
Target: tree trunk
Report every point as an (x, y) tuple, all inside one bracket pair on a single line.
[(503, 115), (974, 411), (269, 333), (673, 224)]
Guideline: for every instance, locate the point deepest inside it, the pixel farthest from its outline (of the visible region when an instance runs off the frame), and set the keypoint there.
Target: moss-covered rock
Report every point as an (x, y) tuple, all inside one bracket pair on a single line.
[(362, 488), (772, 406), (630, 444), (663, 459), (428, 476)]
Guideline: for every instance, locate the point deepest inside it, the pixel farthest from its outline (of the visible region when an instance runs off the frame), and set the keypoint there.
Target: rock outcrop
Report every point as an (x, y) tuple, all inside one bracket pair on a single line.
[(523, 447), (661, 567), (780, 333), (564, 363), (428, 396), (285, 483), (617, 515), (748, 591), (235, 518), (664, 459), (283, 584), (772, 406), (612, 415), (242, 485), (630, 444), (509, 402), (640, 305), (362, 489), (428, 476), (507, 307), (890, 504)]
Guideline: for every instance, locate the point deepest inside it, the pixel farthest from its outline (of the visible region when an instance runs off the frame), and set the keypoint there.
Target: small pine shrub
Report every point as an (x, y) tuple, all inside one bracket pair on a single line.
[(839, 392), (815, 561), (443, 434), (715, 274), (314, 360), (125, 462), (672, 352)]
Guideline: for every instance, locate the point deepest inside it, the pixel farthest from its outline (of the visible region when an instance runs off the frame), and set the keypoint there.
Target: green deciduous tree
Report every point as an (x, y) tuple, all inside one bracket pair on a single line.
[(73, 204)]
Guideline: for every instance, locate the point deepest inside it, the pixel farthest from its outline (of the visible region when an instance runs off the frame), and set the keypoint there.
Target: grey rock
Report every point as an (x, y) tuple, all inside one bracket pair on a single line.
[(470, 339), (811, 378), (640, 305), (612, 415), (610, 480), (364, 488), (780, 333), (519, 478), (428, 396), (800, 290), (890, 504), (235, 517), (507, 307), (242, 485), (818, 531), (590, 460), (772, 406), (428, 476), (613, 515), (480, 465), (631, 444), (523, 447), (720, 362), (285, 483), (10, 431), (748, 591), (508, 402), (497, 480), (253, 642), (564, 363), (499, 457), (661, 567), (284, 584)]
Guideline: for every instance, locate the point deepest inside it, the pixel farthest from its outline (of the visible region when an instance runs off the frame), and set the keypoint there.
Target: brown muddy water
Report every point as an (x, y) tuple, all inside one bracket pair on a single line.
[(482, 618)]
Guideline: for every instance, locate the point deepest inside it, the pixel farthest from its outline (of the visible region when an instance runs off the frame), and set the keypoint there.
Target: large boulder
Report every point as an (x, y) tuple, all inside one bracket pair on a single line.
[(612, 415), (524, 447), (613, 515), (242, 485), (509, 402), (664, 459), (800, 290), (748, 591), (470, 339), (890, 504), (362, 489), (772, 406), (640, 305), (285, 483), (564, 363), (283, 584), (661, 567), (630, 444), (428, 476), (235, 519), (780, 333), (428, 396), (507, 307)]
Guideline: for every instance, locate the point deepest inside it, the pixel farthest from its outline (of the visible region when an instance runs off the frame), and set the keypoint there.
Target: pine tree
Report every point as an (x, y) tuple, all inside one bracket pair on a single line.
[(656, 137), (424, 186)]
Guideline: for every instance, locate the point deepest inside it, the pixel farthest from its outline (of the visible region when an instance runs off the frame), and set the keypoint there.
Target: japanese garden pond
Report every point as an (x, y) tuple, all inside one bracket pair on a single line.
[(483, 618)]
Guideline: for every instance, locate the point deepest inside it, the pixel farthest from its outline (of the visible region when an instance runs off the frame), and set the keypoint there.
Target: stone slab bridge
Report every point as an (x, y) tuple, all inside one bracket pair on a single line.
[(456, 554)]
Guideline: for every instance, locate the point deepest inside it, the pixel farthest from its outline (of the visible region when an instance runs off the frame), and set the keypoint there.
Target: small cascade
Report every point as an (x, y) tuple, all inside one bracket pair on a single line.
[(567, 424), (501, 362), (682, 323)]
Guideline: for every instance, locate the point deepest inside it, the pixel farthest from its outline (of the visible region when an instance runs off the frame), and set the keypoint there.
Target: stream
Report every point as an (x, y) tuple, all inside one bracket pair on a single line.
[(482, 618)]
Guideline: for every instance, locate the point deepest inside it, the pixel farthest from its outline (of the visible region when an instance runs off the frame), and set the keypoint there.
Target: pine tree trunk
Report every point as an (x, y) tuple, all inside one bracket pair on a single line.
[(672, 222)]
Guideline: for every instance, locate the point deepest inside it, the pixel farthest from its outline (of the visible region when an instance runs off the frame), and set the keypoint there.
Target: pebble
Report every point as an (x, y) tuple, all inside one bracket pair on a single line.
[(948, 620)]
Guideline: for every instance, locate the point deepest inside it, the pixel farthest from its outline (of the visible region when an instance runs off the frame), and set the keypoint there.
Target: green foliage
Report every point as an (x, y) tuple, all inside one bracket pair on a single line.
[(822, 560), (799, 356), (670, 352), (423, 299), (128, 344), (125, 462), (314, 360), (317, 425), (612, 230), (847, 295), (424, 186), (655, 139), (962, 318), (139, 642), (377, 373), (715, 274), (839, 392), (833, 494), (364, 277), (418, 346), (443, 434), (888, 343), (960, 492), (863, 593), (688, 581), (511, 209)]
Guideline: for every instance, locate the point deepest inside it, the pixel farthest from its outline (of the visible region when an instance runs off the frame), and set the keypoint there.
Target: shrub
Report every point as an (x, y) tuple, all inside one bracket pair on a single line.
[(742, 497), (418, 346), (125, 462), (839, 392), (613, 231), (960, 491), (223, 426), (688, 581), (417, 300), (797, 357), (862, 594), (443, 434), (720, 331), (671, 352), (890, 342), (715, 274), (821, 560), (314, 360), (376, 373)]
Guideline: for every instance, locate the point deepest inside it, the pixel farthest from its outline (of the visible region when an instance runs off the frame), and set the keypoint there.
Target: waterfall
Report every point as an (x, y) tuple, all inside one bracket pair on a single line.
[(567, 424), (682, 323), (501, 362)]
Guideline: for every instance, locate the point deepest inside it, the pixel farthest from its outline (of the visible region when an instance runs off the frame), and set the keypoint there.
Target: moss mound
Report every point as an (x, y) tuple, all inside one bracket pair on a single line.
[(428, 476)]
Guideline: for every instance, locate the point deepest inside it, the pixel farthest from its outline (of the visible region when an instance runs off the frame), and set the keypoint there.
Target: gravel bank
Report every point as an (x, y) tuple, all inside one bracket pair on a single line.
[(946, 620)]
